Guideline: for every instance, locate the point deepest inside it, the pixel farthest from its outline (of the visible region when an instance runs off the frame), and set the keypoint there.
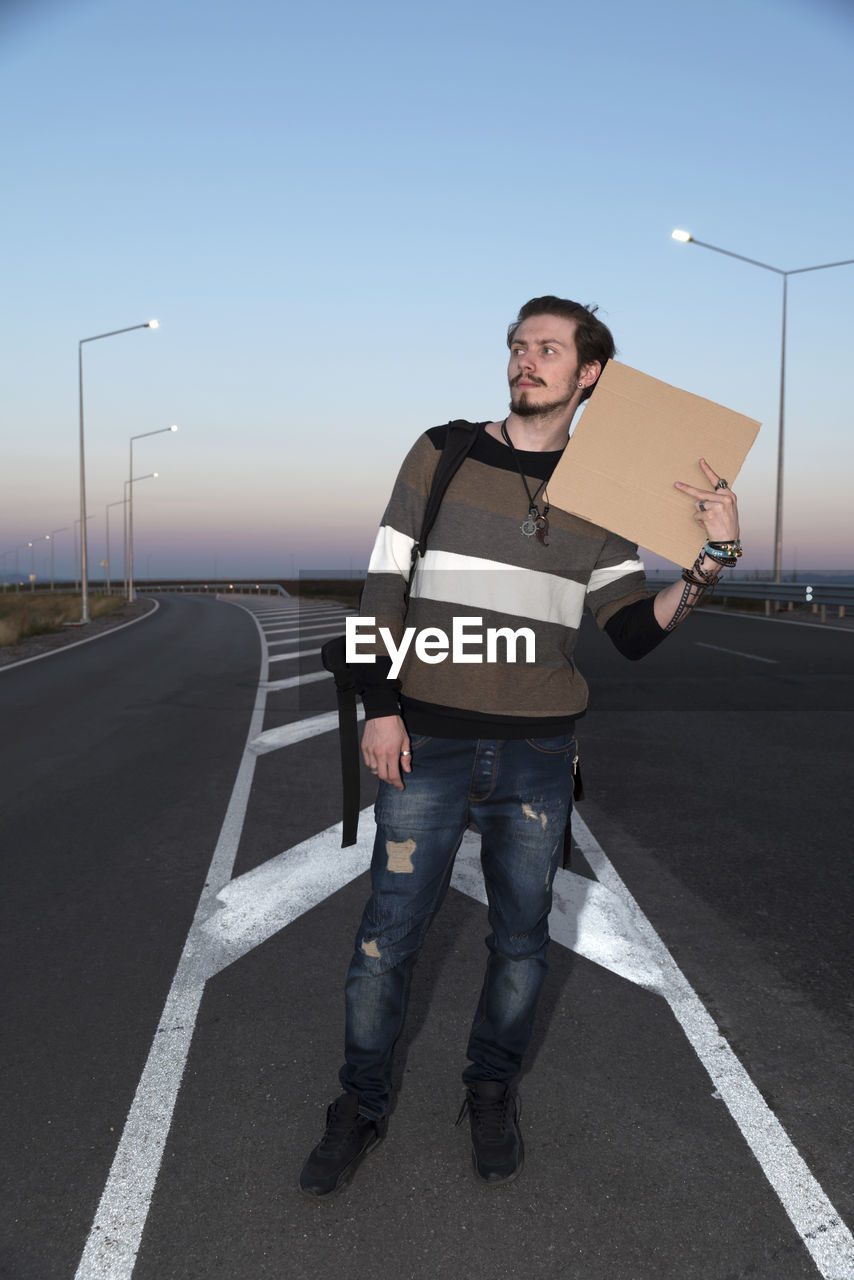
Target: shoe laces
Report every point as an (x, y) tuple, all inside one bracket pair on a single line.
[(340, 1125), (489, 1116)]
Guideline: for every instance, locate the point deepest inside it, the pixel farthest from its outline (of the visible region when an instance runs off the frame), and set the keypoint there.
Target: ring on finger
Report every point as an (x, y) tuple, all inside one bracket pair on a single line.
[(701, 506), (722, 484), (406, 753)]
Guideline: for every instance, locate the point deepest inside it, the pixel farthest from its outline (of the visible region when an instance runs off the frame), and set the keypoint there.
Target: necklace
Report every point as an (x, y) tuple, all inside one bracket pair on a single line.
[(536, 522)]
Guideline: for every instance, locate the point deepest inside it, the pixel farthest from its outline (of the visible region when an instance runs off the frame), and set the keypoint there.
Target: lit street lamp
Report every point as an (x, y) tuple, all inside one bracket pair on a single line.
[(152, 475), (685, 237), (158, 432), (32, 546), (20, 547), (84, 565)]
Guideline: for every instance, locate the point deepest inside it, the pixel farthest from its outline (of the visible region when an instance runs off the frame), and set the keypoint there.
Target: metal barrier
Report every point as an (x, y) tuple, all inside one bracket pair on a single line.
[(216, 589), (818, 594)]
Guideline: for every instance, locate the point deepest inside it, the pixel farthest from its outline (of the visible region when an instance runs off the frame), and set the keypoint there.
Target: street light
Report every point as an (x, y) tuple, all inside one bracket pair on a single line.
[(84, 566), (152, 475), (76, 556), (120, 503), (158, 432), (20, 547), (52, 536), (32, 546), (685, 237)]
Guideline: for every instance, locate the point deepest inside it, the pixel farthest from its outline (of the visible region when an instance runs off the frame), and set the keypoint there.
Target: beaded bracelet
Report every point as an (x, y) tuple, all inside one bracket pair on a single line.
[(726, 553)]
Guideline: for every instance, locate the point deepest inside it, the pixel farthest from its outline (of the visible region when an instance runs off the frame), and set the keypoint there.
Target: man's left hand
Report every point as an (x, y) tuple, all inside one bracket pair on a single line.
[(717, 508)]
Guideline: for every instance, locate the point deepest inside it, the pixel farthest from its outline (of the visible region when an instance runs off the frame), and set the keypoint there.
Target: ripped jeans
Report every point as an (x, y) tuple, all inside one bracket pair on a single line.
[(519, 794)]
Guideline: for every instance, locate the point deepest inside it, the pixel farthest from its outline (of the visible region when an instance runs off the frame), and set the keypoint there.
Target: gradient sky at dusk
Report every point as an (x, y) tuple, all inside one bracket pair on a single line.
[(334, 211)]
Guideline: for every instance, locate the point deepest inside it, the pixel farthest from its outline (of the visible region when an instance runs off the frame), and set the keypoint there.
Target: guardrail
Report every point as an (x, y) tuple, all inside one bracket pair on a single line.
[(819, 595), (216, 588)]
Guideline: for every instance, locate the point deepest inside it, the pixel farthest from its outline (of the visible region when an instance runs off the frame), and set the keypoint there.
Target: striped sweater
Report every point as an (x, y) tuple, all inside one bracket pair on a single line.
[(479, 565)]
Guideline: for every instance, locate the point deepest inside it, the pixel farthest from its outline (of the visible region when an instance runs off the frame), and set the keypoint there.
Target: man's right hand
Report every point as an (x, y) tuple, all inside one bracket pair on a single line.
[(383, 743)]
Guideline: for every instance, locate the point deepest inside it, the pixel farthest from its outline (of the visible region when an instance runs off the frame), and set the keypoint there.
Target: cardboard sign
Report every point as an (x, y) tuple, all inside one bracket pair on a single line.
[(635, 437)]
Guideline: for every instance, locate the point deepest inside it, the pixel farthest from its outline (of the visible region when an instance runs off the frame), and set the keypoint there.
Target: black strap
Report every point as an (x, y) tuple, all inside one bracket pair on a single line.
[(577, 794), (459, 439), (333, 657)]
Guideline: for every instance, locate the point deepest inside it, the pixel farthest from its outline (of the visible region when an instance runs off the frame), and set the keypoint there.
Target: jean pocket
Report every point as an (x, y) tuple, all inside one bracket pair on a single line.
[(561, 742), (417, 740)]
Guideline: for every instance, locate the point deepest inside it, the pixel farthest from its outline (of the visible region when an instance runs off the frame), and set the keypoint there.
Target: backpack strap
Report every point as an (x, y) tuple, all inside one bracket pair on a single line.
[(459, 441), (333, 657)]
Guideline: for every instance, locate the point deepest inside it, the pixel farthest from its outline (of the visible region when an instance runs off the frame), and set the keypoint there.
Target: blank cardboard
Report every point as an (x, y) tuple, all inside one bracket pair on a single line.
[(635, 437)]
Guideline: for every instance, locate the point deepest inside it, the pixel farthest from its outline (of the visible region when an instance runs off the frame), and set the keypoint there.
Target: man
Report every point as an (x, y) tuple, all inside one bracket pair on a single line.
[(461, 739)]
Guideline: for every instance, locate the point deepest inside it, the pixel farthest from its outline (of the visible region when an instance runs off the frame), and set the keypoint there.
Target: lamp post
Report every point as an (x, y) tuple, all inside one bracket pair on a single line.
[(158, 432), (120, 503), (84, 567), (152, 475), (76, 557), (685, 237), (52, 536), (20, 547), (32, 546), (3, 555)]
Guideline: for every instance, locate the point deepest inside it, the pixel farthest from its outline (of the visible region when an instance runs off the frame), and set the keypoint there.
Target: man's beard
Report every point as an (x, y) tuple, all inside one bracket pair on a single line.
[(525, 408)]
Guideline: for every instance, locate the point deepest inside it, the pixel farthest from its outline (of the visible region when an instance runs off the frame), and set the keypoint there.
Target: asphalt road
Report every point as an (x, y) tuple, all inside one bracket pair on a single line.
[(172, 1051)]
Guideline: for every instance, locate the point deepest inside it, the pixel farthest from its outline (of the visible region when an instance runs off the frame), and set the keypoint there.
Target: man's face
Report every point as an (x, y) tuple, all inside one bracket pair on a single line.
[(543, 368)]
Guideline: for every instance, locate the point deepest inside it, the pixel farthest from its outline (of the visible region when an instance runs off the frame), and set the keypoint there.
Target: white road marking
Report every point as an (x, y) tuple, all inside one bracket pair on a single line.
[(113, 1242), (288, 657), (297, 639), (300, 627), (285, 735), (600, 920), (294, 682), (100, 636), (818, 1224), (760, 617), (736, 652)]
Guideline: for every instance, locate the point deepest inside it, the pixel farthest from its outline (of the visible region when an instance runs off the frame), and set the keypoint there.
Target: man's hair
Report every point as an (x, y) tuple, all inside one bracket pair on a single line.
[(593, 339)]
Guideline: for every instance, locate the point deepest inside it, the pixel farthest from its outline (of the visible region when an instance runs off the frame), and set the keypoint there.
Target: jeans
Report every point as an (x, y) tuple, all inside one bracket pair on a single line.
[(518, 794)]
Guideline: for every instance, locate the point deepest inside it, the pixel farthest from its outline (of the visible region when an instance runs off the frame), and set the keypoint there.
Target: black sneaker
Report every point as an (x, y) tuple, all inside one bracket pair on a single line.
[(348, 1138), (496, 1143)]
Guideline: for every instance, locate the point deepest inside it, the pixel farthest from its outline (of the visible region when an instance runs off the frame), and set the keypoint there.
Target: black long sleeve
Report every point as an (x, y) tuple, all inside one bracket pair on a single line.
[(634, 630)]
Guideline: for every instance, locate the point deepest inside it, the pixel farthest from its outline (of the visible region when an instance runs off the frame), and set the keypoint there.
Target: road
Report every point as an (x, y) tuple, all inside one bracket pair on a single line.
[(178, 917)]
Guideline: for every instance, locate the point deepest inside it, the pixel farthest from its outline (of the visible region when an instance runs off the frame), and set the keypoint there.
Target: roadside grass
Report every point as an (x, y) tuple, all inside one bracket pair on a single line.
[(24, 615)]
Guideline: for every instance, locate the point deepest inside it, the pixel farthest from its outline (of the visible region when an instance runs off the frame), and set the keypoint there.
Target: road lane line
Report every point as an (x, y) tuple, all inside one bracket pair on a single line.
[(300, 628), (288, 657), (113, 1242), (285, 735), (783, 621), (816, 1221), (294, 682), (598, 919), (324, 635), (736, 652), (63, 648)]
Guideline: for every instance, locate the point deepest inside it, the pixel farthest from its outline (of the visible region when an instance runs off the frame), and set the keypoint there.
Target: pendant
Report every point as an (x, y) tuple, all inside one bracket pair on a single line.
[(542, 524), (529, 528)]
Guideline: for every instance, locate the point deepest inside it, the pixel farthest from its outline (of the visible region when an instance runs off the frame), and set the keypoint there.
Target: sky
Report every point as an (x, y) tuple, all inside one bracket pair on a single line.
[(335, 210)]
